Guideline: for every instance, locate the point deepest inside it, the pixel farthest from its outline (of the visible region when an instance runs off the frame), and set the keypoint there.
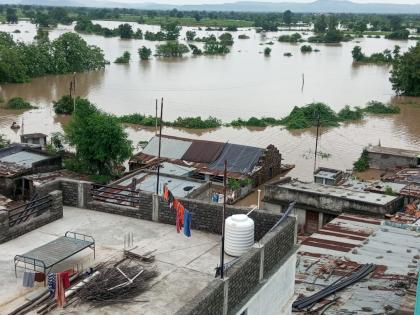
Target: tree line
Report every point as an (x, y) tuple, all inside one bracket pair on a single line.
[(50, 16), (19, 62)]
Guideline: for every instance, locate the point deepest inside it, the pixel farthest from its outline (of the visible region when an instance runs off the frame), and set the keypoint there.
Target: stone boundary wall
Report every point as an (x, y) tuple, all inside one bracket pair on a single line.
[(51, 214)]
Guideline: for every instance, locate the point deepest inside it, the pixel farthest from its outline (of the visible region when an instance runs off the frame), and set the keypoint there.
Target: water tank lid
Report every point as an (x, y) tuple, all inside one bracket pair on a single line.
[(239, 217)]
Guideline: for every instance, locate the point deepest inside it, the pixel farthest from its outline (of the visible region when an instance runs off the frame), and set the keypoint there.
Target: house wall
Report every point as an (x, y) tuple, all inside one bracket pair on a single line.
[(54, 212), (308, 200), (270, 164), (385, 161), (275, 297), (262, 279)]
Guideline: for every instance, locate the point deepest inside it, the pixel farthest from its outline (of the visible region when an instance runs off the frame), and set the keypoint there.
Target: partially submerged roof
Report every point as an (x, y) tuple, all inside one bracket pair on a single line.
[(242, 159), (344, 244), (171, 148), (33, 135), (206, 156), (393, 151), (24, 158), (203, 151), (40, 178)]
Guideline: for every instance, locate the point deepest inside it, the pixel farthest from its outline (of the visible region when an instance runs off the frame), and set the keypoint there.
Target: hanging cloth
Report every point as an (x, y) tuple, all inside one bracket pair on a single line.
[(165, 193), (39, 277), (59, 290), (187, 223), (51, 283), (170, 199), (28, 279), (66, 279)]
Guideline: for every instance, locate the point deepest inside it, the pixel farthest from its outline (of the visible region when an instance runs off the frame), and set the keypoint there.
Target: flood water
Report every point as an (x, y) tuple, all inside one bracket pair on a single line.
[(242, 84)]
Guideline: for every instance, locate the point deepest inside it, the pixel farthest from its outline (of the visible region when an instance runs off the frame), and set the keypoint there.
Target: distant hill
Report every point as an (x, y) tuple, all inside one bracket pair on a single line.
[(318, 6)]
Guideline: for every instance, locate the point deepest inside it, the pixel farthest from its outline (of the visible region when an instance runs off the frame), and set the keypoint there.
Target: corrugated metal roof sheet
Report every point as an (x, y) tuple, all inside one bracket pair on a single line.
[(241, 158), (171, 148), (24, 158), (203, 151)]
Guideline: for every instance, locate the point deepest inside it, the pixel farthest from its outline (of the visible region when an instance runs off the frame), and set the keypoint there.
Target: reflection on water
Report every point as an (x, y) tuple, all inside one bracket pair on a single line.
[(243, 83)]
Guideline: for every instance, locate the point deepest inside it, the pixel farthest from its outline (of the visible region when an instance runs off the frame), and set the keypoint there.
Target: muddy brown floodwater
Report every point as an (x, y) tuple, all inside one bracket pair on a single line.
[(242, 84)]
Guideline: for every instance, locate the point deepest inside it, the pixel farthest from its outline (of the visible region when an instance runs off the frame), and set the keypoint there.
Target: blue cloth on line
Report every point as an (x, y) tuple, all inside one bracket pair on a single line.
[(28, 279), (51, 283), (187, 223)]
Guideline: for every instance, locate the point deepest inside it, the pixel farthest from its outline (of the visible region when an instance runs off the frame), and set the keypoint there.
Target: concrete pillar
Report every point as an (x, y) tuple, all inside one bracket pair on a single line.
[(262, 264), (155, 207), (57, 203), (81, 195), (320, 220), (4, 225)]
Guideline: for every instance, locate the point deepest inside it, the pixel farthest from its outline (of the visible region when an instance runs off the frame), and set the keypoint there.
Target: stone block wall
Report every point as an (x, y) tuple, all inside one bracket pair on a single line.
[(247, 275), (208, 301), (54, 212), (243, 277)]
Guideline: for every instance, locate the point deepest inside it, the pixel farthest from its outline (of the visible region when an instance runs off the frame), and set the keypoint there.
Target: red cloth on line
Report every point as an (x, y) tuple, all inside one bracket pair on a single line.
[(39, 277), (66, 279), (59, 290), (165, 193)]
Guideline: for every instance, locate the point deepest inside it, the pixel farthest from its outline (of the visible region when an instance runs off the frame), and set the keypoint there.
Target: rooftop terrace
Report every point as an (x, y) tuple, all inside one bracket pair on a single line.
[(186, 265), (348, 194)]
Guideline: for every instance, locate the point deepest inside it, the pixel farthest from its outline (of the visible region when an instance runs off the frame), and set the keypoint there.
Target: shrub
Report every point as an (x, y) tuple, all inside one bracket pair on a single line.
[(306, 48), (362, 164), (125, 58), (19, 103), (348, 114), (287, 54), (144, 53), (267, 51), (307, 116), (375, 107), (64, 105), (243, 36), (171, 49), (294, 38), (197, 122), (138, 119)]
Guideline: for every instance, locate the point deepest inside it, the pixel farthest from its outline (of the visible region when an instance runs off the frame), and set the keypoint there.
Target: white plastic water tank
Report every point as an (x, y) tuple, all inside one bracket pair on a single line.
[(239, 234)]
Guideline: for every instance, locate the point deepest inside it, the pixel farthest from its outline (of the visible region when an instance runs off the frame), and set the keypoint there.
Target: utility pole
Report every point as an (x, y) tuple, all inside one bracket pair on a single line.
[(222, 247), (316, 142), (160, 144), (156, 118)]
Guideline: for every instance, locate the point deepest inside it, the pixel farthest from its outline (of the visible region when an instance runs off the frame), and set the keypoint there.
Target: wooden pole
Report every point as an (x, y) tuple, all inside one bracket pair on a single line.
[(222, 247), (316, 141), (74, 92), (156, 118), (160, 144)]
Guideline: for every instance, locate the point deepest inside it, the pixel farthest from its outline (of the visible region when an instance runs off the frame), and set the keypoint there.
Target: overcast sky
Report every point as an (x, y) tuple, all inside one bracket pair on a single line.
[(225, 1)]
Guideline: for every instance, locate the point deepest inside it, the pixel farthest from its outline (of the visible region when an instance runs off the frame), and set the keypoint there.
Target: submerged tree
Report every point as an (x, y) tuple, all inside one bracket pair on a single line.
[(405, 76), (144, 53), (99, 139)]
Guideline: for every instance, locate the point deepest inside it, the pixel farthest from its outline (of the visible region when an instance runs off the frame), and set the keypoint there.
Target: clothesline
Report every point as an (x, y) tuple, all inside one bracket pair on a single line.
[(183, 215)]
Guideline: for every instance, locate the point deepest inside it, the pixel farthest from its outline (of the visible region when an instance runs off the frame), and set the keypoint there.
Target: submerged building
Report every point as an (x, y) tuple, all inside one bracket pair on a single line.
[(207, 159)]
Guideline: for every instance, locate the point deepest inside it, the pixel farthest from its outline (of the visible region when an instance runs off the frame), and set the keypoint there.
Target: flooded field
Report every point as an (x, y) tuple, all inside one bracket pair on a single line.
[(242, 84)]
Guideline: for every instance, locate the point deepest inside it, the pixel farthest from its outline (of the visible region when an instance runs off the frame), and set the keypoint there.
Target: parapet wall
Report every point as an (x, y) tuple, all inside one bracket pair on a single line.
[(52, 213), (247, 275)]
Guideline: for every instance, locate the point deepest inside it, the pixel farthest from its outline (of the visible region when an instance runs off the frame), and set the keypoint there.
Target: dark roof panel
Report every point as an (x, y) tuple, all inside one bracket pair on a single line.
[(203, 151), (241, 159)]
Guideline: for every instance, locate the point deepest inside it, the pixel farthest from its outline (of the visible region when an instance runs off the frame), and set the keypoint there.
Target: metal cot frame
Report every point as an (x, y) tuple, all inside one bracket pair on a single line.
[(44, 263)]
